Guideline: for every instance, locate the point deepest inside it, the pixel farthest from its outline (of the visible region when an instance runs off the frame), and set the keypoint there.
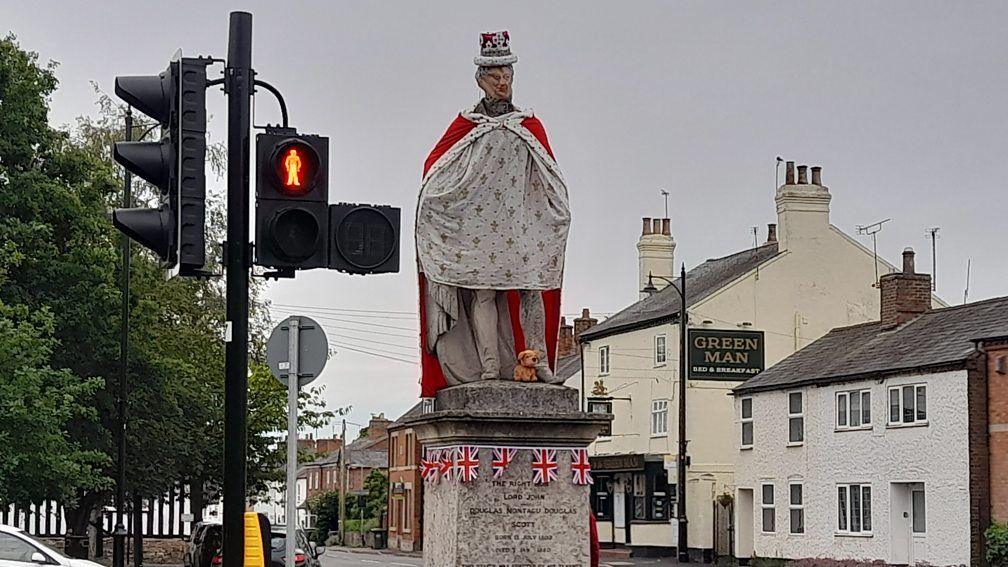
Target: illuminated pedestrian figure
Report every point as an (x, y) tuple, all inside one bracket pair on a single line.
[(292, 163)]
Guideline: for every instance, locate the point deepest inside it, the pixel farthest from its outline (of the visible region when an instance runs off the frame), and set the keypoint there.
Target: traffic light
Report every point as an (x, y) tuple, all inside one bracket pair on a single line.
[(176, 99), (292, 195), (364, 238)]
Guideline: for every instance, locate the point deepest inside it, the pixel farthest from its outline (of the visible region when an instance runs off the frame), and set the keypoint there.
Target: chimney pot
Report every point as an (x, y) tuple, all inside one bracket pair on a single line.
[(789, 173), (802, 175), (656, 226), (584, 313), (646, 230), (771, 232), (908, 261), (816, 175), (666, 227)]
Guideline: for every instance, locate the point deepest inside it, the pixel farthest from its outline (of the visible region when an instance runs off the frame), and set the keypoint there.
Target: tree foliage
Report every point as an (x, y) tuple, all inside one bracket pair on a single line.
[(325, 506), (60, 306)]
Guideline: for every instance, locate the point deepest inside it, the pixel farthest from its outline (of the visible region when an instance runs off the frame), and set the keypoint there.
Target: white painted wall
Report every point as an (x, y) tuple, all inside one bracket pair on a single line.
[(935, 454)]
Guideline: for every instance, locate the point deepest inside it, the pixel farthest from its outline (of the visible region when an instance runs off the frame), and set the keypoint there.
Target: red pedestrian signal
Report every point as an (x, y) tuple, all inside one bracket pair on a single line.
[(296, 165)]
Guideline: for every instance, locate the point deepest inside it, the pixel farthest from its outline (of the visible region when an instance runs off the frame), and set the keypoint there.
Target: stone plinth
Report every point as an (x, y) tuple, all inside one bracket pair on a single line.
[(509, 521)]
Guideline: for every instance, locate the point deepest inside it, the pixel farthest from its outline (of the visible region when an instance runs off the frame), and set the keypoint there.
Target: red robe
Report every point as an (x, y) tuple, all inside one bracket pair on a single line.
[(431, 377)]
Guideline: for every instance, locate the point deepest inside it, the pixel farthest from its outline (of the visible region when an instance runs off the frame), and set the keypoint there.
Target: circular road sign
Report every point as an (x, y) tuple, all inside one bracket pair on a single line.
[(313, 350)]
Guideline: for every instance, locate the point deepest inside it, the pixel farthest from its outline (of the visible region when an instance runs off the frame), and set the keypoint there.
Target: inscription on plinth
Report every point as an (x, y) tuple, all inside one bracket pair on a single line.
[(508, 522)]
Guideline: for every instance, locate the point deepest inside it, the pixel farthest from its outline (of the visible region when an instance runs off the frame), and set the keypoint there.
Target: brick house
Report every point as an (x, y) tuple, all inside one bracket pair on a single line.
[(405, 496), (879, 441)]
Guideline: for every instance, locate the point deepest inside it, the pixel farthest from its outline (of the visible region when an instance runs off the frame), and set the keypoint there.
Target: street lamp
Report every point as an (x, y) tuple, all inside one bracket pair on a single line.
[(681, 545)]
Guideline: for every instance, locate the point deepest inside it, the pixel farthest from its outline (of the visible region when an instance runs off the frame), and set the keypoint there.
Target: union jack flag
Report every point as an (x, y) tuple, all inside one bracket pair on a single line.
[(502, 457), (467, 465), (429, 468), (447, 463), (580, 467), (544, 465)]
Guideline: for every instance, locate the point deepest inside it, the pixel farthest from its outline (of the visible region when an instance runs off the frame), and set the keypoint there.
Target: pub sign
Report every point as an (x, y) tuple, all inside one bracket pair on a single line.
[(719, 354)]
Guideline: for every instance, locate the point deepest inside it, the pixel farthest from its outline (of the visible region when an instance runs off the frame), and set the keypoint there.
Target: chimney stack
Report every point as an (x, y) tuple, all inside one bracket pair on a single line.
[(802, 175), (771, 233), (904, 295), (565, 346), (816, 175), (655, 251), (789, 173), (583, 323)]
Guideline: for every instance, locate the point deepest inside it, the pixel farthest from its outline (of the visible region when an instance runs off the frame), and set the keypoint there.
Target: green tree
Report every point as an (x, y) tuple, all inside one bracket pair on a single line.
[(376, 485), (326, 509), (55, 189)]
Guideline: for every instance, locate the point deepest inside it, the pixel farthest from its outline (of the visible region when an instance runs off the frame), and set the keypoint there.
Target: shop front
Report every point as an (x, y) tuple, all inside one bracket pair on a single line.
[(633, 503)]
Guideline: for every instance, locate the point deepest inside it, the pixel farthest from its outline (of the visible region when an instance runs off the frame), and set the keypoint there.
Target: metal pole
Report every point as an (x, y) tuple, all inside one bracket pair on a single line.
[(137, 531), (293, 349), (238, 87), (682, 544), (119, 532)]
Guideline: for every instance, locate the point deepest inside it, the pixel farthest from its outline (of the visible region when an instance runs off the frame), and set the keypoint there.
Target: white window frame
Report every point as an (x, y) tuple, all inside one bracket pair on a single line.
[(661, 354), (764, 506), (743, 421), (844, 526), (800, 415), (659, 418), (917, 419), (603, 352), (846, 398), (798, 507)]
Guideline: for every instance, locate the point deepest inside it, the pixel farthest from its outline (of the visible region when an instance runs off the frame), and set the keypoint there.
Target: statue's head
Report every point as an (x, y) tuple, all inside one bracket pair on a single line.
[(494, 73), (496, 81)]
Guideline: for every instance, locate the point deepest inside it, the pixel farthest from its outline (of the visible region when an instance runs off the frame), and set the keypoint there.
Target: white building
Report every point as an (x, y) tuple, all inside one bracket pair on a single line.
[(860, 447), (273, 503), (807, 278)]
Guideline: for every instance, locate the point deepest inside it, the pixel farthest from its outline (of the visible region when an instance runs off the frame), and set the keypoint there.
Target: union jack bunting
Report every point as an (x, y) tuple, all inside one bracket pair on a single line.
[(429, 468), (467, 465), (580, 467), (544, 465), (447, 463), (502, 457)]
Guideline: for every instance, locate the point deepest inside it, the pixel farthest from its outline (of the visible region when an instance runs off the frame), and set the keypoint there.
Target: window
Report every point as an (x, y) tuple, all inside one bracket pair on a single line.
[(908, 404), (853, 409), (639, 496), (854, 509), (603, 360), (919, 523), (796, 419), (601, 498), (13, 548), (796, 508), (601, 406), (659, 417), (660, 353), (747, 423), (767, 504)]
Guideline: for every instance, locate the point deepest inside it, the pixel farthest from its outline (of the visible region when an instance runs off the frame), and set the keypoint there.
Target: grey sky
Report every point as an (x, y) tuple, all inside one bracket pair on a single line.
[(902, 103)]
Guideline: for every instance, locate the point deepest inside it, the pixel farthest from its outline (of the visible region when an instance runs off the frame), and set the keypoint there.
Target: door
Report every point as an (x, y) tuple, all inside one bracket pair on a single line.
[(744, 525)]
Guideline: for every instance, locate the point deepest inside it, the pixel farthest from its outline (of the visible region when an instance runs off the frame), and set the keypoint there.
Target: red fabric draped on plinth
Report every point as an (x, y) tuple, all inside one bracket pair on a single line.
[(431, 377)]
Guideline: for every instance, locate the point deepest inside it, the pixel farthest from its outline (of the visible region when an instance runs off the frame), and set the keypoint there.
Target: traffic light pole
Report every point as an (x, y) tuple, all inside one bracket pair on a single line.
[(238, 80), (119, 532)]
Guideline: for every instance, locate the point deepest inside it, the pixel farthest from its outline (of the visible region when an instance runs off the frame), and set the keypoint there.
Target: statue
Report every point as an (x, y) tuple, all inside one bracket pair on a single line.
[(491, 231)]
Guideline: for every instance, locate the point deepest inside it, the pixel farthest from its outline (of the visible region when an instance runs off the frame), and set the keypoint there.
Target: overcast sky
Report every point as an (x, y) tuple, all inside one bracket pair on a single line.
[(901, 103)]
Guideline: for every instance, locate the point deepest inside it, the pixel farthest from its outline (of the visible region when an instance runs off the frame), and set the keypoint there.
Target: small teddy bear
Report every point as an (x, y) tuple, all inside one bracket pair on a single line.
[(525, 371)]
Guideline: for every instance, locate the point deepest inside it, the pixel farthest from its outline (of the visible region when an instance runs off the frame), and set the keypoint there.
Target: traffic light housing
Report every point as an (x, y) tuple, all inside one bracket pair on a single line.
[(292, 195), (364, 239), (175, 164)]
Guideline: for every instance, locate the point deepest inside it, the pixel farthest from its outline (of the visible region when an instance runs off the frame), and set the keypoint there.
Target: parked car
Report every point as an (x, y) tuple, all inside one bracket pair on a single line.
[(204, 543), (306, 553), (18, 549)]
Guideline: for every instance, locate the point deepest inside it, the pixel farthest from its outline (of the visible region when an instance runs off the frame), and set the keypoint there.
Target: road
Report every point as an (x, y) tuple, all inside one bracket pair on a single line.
[(335, 558)]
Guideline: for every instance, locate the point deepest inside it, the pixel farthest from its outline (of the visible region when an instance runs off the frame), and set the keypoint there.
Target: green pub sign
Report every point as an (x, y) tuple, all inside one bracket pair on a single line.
[(716, 354)]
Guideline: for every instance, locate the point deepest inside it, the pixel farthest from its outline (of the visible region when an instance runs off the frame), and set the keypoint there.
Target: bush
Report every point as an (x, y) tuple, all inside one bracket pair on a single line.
[(997, 544), (355, 525)]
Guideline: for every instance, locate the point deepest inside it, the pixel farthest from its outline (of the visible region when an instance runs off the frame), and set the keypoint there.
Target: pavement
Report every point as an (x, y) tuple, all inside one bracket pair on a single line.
[(360, 557)]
